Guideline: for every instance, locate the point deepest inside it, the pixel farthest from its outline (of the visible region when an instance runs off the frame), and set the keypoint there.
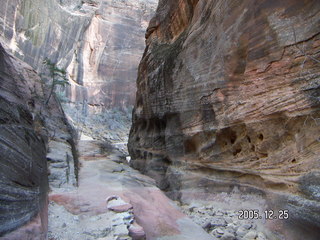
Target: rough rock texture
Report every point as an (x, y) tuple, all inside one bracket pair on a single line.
[(23, 165), (31, 134), (111, 49), (99, 42), (228, 96)]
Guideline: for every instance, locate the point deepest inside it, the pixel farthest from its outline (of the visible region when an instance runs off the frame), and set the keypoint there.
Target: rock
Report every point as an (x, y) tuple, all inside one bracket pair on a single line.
[(209, 83), (101, 56), (121, 232), (241, 231), (116, 204), (110, 198), (228, 236), (118, 169), (219, 213), (218, 222), (207, 226), (191, 209), (261, 236), (250, 235), (121, 208), (23, 171), (228, 220), (137, 232), (247, 226), (61, 164), (232, 226), (218, 232)]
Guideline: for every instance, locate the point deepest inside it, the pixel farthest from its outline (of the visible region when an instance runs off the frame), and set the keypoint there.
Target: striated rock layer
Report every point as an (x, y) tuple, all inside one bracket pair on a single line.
[(23, 171), (99, 42), (33, 135), (229, 98)]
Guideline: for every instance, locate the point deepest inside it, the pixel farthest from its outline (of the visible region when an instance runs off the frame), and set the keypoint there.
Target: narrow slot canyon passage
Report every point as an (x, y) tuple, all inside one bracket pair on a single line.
[(84, 213), (160, 120)]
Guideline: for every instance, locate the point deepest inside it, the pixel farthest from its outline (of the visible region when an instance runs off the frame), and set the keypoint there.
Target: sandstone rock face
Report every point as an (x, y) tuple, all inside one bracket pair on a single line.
[(228, 96), (23, 171), (99, 42), (32, 135)]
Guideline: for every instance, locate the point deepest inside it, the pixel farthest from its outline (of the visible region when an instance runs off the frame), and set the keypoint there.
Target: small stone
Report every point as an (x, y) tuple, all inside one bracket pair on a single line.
[(247, 226), (137, 232), (219, 213), (117, 205), (237, 223), (202, 211), (191, 209), (208, 207), (261, 236), (118, 169), (250, 235), (207, 226), (218, 222), (228, 236), (232, 226), (228, 219), (241, 232), (212, 213), (121, 208), (110, 198), (63, 225), (218, 232)]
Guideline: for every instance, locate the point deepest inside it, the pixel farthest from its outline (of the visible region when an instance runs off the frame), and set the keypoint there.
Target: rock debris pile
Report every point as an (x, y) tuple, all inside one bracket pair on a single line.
[(116, 224), (223, 224)]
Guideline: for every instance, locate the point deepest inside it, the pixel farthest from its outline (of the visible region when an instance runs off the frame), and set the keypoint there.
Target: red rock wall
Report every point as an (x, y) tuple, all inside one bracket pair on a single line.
[(99, 42), (229, 95)]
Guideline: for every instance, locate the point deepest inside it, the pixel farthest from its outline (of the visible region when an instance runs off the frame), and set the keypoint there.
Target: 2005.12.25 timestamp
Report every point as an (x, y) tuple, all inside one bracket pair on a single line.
[(268, 214)]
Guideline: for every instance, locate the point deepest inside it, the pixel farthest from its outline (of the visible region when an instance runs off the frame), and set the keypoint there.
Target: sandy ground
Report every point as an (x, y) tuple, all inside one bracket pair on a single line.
[(83, 213)]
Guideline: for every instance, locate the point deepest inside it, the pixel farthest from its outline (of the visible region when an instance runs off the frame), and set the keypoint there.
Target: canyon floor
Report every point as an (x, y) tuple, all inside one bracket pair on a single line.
[(114, 201), (83, 213)]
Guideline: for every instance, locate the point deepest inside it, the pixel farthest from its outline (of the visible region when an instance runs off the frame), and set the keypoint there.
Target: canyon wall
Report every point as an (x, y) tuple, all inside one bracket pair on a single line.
[(229, 99), (24, 176), (99, 42), (36, 143)]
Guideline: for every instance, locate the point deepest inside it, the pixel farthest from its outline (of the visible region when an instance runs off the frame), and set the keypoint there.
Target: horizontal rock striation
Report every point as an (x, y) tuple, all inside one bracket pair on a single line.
[(229, 96), (29, 129), (23, 171)]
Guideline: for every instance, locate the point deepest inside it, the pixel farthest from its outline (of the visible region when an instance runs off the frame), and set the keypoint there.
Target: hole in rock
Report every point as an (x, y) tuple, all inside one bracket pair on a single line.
[(190, 146), (260, 136), (263, 155), (237, 151), (233, 138)]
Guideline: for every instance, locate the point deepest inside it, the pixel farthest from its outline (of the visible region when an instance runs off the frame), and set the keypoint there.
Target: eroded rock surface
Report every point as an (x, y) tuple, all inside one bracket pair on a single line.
[(23, 171), (228, 96), (99, 42), (29, 129)]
